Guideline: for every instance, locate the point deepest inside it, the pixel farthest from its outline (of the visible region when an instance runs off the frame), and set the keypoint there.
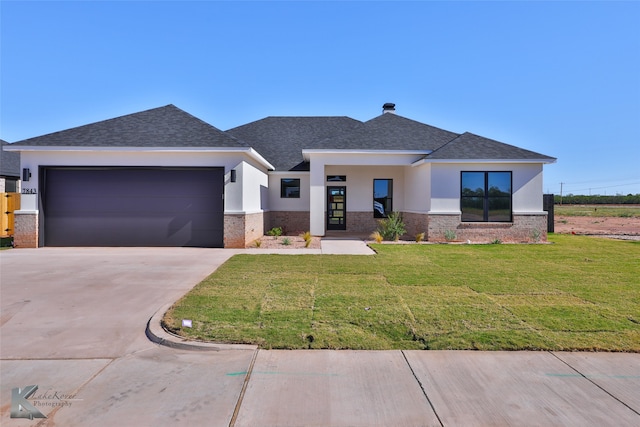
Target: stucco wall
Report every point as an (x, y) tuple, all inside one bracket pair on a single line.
[(417, 189), (360, 185), (277, 203), (360, 168), (526, 179)]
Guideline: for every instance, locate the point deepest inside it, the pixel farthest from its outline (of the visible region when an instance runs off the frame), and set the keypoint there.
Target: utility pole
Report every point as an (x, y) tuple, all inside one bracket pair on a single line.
[(561, 184)]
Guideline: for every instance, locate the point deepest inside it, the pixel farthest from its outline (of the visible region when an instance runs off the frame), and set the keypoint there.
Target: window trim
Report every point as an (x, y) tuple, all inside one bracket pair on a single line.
[(283, 188), (486, 198), (390, 198)]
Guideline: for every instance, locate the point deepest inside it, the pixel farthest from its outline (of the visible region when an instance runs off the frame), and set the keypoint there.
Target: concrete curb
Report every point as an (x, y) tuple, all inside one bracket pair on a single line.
[(158, 335)]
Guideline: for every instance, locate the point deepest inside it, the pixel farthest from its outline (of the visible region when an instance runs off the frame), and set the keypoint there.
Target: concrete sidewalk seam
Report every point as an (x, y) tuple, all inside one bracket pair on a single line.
[(424, 392), (245, 384), (594, 383)]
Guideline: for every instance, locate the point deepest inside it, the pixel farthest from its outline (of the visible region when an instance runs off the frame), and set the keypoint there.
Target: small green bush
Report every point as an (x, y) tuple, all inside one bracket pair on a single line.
[(392, 227), (450, 235), (286, 241), (419, 237), (275, 232), (536, 235)]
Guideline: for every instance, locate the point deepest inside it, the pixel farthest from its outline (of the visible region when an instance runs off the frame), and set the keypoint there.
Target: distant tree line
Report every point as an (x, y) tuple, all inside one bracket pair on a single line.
[(618, 199)]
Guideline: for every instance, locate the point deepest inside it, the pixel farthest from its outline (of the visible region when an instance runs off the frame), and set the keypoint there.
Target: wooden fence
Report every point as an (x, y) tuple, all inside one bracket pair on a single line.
[(9, 202)]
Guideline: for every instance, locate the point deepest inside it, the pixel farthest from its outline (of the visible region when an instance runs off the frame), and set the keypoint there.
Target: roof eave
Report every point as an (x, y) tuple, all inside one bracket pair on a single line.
[(246, 150), (307, 152), (427, 160)]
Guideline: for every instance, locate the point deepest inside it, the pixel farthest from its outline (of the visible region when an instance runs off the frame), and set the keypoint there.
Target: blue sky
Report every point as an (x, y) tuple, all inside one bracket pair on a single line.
[(559, 78)]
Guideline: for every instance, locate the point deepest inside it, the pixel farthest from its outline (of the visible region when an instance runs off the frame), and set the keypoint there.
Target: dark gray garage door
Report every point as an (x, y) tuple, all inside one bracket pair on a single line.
[(133, 206)]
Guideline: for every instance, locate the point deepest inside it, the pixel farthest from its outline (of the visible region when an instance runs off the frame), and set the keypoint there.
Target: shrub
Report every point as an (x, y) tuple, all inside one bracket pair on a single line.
[(496, 242), (376, 236), (258, 243), (450, 235), (536, 235), (419, 237), (275, 232), (392, 227), (286, 241)]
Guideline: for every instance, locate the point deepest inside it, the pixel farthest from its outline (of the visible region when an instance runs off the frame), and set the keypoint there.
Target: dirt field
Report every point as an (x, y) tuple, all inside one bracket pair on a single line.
[(626, 228)]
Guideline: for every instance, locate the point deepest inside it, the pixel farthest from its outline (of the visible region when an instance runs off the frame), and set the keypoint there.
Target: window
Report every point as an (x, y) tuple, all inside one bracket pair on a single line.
[(382, 197), (11, 185), (290, 188), (486, 196)]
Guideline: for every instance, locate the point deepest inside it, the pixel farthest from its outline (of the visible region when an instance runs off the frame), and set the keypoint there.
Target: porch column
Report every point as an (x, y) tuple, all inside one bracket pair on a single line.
[(318, 198)]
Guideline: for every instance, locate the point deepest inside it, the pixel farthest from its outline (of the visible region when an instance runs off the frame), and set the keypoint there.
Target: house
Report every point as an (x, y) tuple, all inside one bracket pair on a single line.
[(165, 178), (9, 169)]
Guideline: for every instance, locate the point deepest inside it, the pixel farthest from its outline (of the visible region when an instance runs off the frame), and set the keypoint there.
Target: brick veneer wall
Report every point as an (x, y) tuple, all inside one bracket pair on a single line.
[(25, 230), (291, 222), (415, 223), (242, 229), (524, 228), (361, 222)]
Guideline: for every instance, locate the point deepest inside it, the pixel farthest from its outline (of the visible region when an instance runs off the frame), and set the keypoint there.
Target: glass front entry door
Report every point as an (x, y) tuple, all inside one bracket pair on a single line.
[(336, 208)]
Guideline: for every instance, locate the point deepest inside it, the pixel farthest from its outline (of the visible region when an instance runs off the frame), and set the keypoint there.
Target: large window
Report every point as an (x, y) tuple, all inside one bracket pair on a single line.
[(290, 188), (486, 196), (382, 197)]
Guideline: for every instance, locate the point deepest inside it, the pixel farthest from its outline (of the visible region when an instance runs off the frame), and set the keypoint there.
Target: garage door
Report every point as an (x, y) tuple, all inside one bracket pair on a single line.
[(133, 206)]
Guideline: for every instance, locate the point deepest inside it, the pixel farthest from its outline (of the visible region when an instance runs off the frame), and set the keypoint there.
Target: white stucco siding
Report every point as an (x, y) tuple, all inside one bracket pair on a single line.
[(360, 185), (445, 188), (277, 203), (526, 181), (417, 189), (527, 188), (361, 167), (241, 196), (249, 193), (255, 184)]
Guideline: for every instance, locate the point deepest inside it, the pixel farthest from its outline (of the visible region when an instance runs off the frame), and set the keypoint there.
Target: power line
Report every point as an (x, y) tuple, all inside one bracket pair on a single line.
[(597, 188)]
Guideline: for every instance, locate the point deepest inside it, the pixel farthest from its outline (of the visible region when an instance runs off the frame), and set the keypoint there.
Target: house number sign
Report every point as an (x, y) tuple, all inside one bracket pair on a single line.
[(29, 191)]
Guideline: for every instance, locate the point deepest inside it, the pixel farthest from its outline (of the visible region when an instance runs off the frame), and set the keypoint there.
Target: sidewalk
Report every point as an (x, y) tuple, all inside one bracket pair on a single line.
[(430, 388), (328, 246)]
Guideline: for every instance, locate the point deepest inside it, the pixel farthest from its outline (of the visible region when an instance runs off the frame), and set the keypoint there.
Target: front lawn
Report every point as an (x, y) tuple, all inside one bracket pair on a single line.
[(579, 293)]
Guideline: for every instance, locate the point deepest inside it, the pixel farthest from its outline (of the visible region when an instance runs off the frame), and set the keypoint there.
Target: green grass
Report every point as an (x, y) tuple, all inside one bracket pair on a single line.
[(621, 211), (579, 293)]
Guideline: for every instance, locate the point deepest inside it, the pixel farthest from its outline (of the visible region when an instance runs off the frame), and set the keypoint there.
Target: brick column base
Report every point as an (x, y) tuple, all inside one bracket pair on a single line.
[(241, 229), (26, 229)]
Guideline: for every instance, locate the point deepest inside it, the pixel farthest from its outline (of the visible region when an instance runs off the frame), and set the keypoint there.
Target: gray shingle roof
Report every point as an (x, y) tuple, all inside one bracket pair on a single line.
[(9, 161), (473, 147), (166, 126), (281, 140), (390, 132)]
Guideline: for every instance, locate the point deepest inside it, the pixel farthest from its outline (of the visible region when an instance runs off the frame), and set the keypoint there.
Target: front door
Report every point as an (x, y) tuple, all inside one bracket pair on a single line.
[(336, 208)]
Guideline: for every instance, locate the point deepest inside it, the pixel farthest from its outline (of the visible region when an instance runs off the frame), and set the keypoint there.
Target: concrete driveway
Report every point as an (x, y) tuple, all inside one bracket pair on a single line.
[(73, 323)]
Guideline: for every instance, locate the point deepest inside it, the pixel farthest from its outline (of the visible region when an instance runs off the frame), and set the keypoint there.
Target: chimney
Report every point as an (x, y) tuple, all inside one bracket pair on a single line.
[(389, 108)]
